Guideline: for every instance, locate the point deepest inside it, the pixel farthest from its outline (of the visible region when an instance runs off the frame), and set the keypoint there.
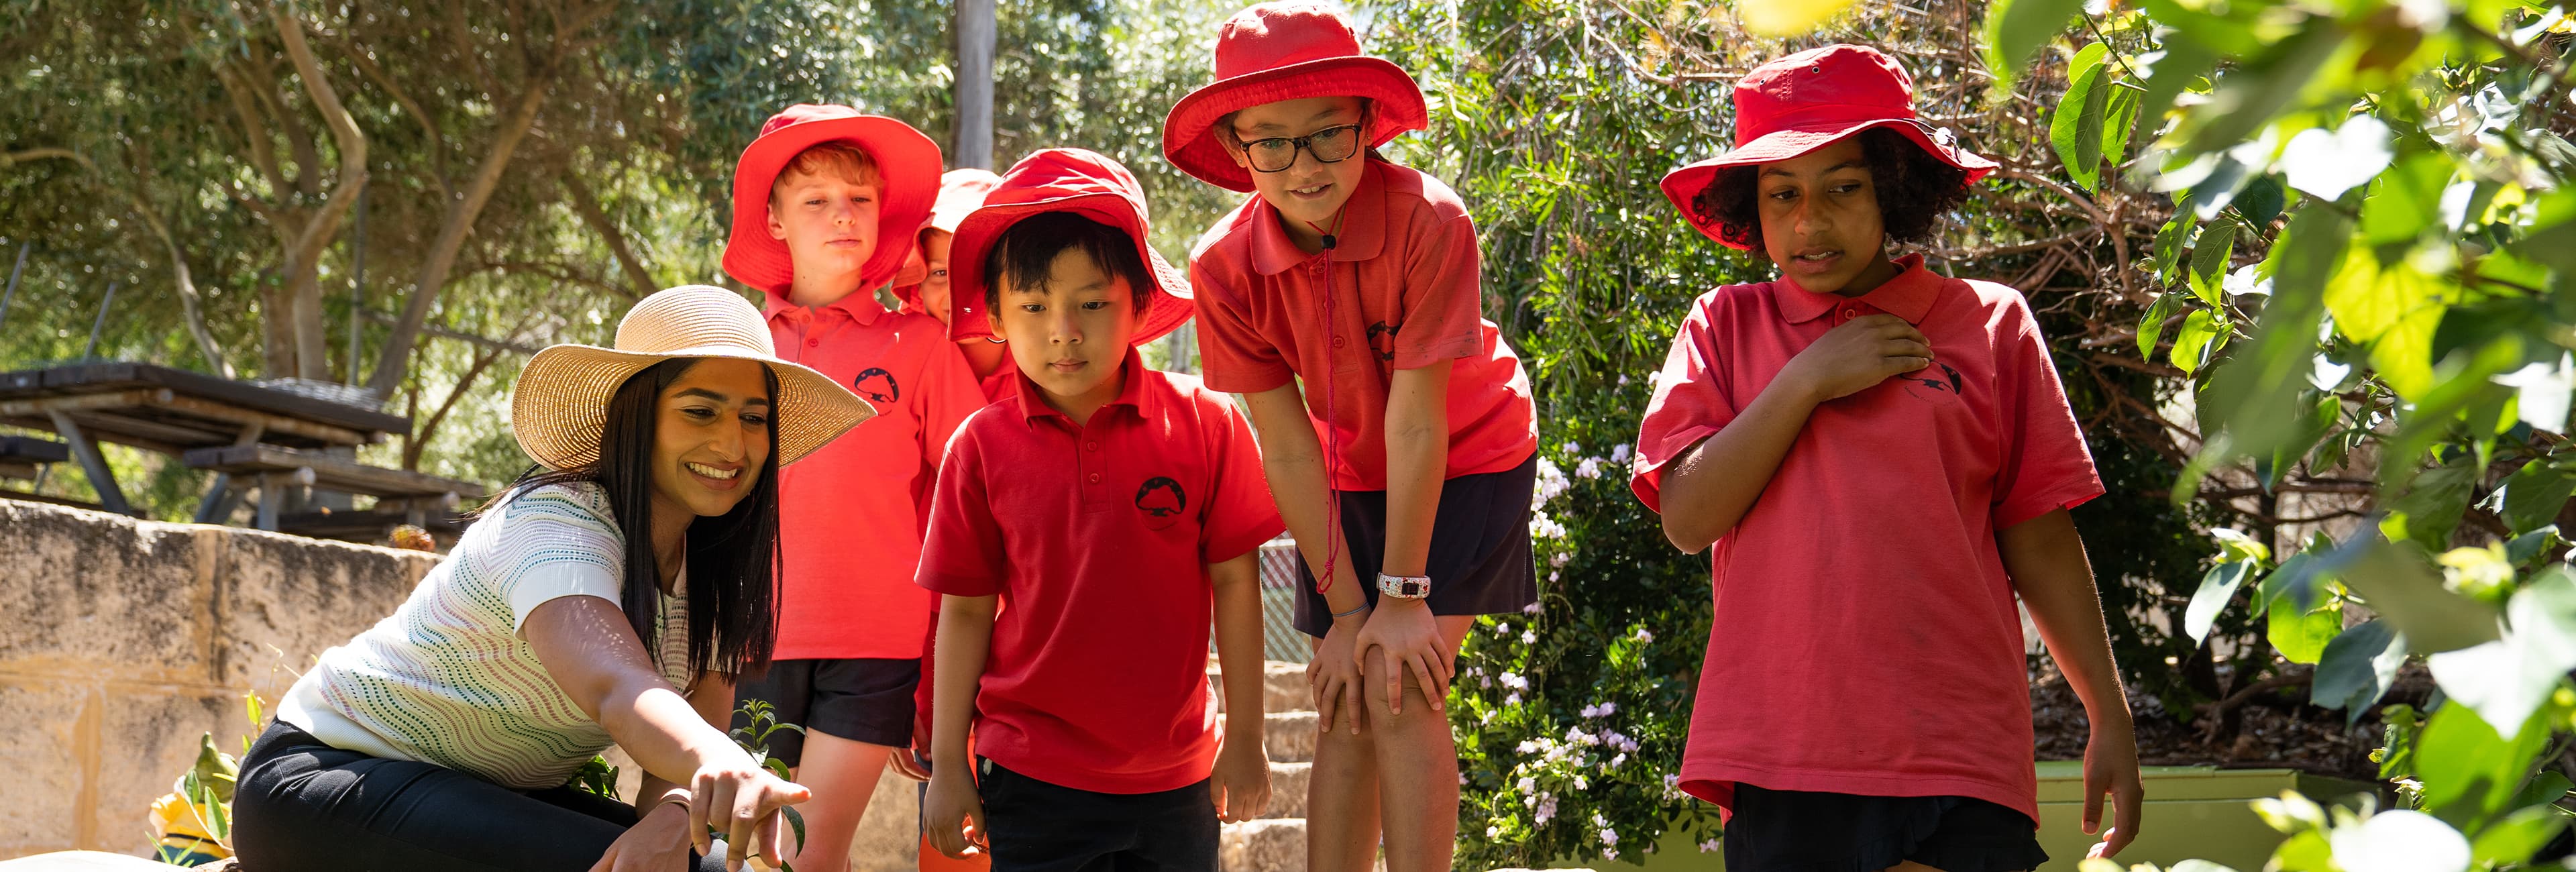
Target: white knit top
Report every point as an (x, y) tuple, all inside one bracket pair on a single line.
[(446, 679)]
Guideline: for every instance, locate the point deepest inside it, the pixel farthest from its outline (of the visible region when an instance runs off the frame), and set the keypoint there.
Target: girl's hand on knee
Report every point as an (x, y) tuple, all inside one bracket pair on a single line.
[(657, 843), (1335, 675), (1405, 638), (954, 813)]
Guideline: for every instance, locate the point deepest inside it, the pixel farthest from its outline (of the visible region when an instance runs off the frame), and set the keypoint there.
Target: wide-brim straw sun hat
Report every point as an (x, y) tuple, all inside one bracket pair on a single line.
[(1074, 180), (1809, 100), (906, 163), (1289, 50), (559, 407)]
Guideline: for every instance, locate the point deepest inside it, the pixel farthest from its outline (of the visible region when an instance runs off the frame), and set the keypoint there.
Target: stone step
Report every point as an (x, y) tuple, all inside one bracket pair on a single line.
[(1266, 845), (1283, 687), (1288, 736), (1288, 789)]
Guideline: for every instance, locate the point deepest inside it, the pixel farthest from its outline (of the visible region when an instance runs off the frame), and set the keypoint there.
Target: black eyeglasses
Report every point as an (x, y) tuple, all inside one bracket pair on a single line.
[(1329, 145)]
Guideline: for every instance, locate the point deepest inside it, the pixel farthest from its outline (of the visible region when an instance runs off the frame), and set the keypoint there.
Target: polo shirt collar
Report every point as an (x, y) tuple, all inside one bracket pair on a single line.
[(860, 306), (1363, 230), (1033, 405), (1909, 295)]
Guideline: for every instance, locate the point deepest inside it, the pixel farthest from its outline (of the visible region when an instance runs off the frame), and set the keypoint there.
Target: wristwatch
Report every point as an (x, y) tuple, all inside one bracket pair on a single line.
[(1412, 587)]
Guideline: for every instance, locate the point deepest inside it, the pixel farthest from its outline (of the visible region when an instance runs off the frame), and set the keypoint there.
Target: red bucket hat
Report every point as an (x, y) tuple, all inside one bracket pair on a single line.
[(1073, 180), (1288, 50), (960, 191), (905, 160), (1810, 100)]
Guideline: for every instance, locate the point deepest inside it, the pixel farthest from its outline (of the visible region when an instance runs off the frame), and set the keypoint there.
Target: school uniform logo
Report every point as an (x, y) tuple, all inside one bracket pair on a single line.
[(876, 384), (1381, 339), (1937, 383), (1161, 501)]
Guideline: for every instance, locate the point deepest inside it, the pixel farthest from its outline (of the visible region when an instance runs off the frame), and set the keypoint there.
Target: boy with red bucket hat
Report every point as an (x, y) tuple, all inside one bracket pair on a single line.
[(1406, 467), (826, 203), (1086, 527), (1864, 703)]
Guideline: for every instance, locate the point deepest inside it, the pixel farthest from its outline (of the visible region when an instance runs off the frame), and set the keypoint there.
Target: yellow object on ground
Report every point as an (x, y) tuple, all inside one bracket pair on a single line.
[(185, 836)]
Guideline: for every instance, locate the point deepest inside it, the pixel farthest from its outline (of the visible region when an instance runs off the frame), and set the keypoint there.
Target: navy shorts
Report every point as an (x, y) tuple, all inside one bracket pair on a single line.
[(859, 700), (1036, 826), (1798, 831), (1479, 562)]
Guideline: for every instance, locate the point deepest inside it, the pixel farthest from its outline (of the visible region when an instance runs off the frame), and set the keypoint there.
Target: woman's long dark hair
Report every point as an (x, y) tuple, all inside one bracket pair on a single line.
[(733, 585)]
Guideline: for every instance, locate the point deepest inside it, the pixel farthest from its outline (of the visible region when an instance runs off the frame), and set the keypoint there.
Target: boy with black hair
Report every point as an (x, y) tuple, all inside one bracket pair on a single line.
[(1085, 527)]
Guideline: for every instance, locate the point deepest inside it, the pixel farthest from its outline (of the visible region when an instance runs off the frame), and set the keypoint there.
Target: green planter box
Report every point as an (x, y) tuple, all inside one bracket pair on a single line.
[(2191, 811)]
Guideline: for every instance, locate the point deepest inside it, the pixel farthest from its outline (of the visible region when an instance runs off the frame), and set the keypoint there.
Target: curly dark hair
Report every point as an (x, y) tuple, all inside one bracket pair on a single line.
[(1913, 188)]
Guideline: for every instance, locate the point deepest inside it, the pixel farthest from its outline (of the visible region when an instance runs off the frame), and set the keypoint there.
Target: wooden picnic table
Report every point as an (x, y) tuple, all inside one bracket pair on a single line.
[(251, 435)]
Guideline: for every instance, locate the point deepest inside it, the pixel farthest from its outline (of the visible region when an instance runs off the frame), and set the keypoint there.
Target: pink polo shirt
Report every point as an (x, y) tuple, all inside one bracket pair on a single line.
[(1405, 294), (1097, 538), (849, 515), (1865, 637)]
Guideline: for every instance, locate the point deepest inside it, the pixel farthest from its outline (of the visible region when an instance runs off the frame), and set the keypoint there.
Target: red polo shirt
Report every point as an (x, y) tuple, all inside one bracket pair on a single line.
[(849, 515), (1405, 295), (1097, 538), (1865, 637)]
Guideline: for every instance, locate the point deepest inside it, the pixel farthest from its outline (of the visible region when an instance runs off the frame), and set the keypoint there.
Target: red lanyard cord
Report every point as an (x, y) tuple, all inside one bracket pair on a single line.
[(1332, 419)]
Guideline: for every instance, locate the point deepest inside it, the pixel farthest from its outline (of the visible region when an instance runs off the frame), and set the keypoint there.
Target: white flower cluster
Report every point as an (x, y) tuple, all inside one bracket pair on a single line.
[(1544, 527), (1551, 484), (1594, 711)]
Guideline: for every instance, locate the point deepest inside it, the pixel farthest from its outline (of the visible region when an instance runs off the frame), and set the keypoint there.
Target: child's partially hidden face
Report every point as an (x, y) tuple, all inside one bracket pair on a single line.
[(1821, 222), (1069, 332), (934, 284), (824, 207), (1308, 182)]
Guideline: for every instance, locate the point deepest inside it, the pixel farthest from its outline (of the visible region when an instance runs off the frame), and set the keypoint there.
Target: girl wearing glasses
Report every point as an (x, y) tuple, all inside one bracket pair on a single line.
[(1405, 468)]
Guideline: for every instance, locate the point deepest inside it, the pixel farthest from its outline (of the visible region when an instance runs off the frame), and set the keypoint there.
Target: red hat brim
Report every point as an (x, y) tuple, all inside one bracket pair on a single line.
[(1189, 138), (1685, 184), (908, 186), (1169, 302)]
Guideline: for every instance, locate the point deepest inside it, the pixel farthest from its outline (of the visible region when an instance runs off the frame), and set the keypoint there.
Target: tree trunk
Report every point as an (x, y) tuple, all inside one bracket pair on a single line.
[(587, 206), (395, 361), (304, 282), (975, 35)]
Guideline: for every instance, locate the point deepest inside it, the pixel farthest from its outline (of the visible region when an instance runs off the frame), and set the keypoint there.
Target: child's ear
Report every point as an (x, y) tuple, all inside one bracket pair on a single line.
[(777, 230)]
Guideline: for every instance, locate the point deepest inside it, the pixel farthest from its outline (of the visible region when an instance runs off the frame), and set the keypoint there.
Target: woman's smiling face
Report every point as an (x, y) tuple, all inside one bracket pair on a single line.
[(711, 436)]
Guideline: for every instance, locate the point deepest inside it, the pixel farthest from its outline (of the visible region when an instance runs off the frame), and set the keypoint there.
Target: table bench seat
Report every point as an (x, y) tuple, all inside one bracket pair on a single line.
[(329, 472)]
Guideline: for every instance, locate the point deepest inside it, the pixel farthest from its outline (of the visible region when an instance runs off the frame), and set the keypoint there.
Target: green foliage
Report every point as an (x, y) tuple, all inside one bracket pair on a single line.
[(2408, 329)]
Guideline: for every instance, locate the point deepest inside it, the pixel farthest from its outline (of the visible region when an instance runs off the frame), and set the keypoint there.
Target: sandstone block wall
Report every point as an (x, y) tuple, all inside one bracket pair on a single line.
[(122, 640)]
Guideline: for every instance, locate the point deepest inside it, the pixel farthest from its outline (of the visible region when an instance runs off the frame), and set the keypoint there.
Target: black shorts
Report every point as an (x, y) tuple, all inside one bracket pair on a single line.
[(859, 700), (1799, 831), (1036, 826), (1479, 561)]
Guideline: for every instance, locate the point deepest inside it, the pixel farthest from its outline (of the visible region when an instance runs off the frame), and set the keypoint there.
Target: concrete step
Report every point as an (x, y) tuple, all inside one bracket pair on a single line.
[(1266, 845), (1283, 687), (1288, 736), (1288, 789)]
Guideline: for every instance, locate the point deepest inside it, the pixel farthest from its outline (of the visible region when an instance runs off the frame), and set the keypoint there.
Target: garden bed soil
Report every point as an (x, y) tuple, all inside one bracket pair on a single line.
[(2275, 728)]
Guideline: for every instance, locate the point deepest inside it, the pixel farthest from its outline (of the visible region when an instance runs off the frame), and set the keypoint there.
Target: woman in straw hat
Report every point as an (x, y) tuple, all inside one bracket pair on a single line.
[(444, 736)]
